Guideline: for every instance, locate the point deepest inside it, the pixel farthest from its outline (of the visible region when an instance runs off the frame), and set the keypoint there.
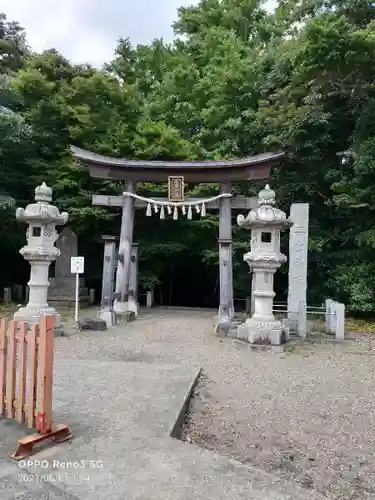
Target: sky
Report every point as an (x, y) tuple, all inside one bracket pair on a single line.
[(88, 30)]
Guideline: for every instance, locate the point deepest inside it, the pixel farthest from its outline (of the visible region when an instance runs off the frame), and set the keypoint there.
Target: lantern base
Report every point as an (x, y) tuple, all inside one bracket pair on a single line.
[(263, 332), (32, 314)]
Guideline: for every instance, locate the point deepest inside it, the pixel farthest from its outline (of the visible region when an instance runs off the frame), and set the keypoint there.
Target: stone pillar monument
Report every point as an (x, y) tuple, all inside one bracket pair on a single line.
[(264, 258), (298, 258), (41, 234), (63, 286)]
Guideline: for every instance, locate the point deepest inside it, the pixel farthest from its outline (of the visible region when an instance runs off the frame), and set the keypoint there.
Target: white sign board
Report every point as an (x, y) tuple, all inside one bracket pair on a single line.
[(77, 265)]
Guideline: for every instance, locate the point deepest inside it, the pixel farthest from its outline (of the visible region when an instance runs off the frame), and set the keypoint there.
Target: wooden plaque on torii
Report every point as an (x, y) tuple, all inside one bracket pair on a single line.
[(176, 189)]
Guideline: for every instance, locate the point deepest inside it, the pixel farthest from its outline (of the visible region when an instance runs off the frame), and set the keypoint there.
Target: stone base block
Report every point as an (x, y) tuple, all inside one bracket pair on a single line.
[(124, 308), (133, 306), (129, 316), (93, 325), (60, 332), (108, 316), (33, 314), (222, 325), (263, 332), (293, 327)]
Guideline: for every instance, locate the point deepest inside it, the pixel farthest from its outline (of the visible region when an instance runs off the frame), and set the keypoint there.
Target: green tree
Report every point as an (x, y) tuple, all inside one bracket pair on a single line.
[(236, 81), (13, 46)]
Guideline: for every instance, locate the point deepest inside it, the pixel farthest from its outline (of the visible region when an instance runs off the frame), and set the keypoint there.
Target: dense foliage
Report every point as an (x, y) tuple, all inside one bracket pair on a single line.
[(239, 81)]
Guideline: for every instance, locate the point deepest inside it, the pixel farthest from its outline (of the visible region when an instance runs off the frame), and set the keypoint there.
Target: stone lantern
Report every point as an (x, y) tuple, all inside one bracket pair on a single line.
[(266, 223), (42, 219)]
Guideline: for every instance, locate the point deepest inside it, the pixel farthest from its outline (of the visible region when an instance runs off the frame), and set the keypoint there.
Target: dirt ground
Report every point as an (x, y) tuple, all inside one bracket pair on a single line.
[(307, 414)]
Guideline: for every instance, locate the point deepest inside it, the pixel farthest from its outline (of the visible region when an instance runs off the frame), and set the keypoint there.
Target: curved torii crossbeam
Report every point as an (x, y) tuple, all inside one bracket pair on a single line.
[(245, 169)]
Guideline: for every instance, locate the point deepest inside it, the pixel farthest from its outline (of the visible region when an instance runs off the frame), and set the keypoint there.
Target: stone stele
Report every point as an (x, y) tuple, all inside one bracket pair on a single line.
[(62, 287)]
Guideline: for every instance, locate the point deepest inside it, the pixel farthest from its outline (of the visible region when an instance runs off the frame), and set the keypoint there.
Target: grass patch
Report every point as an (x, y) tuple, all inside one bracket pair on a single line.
[(7, 310), (66, 313), (359, 325)]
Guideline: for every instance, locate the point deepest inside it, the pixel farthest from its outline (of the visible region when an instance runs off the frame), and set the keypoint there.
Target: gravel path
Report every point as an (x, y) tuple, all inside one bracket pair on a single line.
[(308, 414)]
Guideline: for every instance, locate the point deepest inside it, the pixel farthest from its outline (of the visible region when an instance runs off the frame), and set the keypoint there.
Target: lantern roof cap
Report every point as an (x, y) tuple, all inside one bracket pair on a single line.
[(265, 214), (42, 212), (267, 196), (43, 193)]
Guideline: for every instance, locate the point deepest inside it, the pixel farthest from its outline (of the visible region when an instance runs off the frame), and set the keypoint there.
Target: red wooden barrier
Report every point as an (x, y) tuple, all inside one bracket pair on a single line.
[(26, 379)]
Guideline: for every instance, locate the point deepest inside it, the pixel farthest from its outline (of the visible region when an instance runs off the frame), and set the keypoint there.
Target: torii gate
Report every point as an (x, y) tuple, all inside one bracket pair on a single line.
[(224, 172)]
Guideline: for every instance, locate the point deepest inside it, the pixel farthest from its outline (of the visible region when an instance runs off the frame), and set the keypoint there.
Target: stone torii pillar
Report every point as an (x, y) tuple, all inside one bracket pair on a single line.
[(226, 308), (124, 252)]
